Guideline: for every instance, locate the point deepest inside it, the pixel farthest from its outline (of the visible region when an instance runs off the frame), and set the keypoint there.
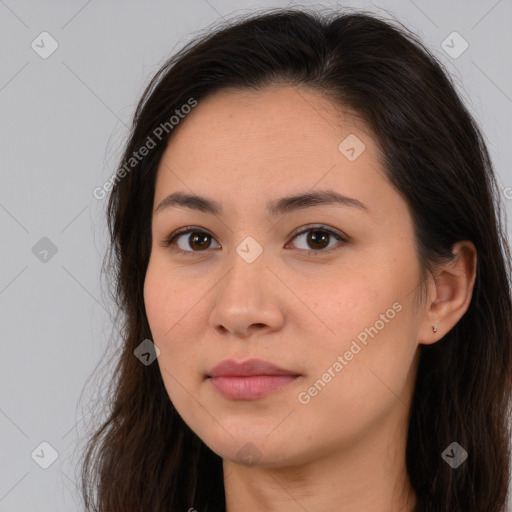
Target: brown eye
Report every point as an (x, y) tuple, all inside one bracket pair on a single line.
[(317, 240), (199, 241), (191, 241)]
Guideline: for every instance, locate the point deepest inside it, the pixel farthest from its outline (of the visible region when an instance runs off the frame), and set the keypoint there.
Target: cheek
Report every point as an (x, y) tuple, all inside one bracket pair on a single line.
[(166, 300), (166, 309), (346, 303), (371, 327), (173, 316), (353, 385), (156, 295)]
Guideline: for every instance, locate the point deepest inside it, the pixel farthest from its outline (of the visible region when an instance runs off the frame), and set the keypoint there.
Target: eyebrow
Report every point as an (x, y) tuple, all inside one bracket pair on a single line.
[(277, 207)]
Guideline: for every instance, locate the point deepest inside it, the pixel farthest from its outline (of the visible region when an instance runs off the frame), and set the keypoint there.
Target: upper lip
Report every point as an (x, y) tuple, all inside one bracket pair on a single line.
[(248, 368)]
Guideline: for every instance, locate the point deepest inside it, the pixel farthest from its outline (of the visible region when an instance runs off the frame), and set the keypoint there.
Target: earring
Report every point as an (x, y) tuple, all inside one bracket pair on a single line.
[(434, 328)]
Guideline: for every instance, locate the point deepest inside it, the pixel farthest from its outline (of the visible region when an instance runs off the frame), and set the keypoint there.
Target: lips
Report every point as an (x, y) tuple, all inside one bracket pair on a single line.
[(247, 369), (249, 380)]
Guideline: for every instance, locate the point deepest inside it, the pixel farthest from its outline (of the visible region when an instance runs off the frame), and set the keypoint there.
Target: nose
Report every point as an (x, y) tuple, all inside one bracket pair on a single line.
[(248, 300)]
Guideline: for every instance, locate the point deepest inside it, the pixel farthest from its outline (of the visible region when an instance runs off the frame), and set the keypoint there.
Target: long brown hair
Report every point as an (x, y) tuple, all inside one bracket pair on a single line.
[(144, 457)]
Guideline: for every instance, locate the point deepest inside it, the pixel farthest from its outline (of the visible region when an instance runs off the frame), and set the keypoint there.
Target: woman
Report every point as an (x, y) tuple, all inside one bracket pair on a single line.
[(314, 281)]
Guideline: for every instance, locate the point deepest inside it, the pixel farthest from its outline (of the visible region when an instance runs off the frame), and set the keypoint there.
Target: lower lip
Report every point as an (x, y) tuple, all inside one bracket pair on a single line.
[(250, 388)]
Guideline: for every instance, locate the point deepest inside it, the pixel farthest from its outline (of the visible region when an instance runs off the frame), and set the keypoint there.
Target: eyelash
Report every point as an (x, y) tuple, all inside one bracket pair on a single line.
[(324, 229)]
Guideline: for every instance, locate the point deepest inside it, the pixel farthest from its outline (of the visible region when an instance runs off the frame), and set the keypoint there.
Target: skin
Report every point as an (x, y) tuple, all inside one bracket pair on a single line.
[(345, 448)]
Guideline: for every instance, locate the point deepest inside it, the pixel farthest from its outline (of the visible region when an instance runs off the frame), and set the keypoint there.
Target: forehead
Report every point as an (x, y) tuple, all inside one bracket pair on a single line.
[(280, 133), (293, 113), (247, 150)]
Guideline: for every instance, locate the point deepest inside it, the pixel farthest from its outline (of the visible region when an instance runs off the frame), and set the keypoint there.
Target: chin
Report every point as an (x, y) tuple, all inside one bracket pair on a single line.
[(256, 449)]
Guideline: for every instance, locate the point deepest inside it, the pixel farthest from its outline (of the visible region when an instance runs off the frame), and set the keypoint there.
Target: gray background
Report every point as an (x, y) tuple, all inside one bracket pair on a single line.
[(63, 122)]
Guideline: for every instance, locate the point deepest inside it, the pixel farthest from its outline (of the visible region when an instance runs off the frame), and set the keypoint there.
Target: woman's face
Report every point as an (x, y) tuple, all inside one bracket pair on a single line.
[(340, 319)]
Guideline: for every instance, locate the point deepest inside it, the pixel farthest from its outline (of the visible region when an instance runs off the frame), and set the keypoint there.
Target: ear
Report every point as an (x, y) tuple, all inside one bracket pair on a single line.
[(450, 292)]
